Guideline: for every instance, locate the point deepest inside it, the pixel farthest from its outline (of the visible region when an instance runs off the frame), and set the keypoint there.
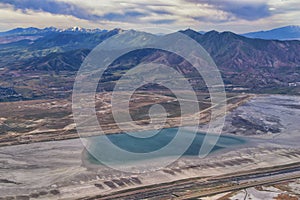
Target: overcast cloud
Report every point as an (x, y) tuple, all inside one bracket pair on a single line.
[(238, 16)]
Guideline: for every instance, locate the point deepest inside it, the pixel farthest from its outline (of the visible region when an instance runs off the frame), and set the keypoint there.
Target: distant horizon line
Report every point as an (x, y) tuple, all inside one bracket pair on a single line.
[(92, 29)]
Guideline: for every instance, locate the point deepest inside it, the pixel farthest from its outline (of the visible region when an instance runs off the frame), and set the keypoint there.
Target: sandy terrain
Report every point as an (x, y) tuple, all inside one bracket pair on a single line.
[(58, 167), (59, 170), (26, 122)]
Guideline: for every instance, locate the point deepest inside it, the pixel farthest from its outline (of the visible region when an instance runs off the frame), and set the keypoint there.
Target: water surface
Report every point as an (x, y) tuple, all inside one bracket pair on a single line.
[(155, 143)]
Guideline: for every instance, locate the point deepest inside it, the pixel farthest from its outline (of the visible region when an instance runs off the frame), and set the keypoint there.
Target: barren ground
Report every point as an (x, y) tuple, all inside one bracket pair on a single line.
[(59, 170)]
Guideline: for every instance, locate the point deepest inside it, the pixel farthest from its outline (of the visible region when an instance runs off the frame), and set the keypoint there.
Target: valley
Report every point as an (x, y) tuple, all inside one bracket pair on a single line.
[(45, 68), (24, 122), (42, 156), (70, 177)]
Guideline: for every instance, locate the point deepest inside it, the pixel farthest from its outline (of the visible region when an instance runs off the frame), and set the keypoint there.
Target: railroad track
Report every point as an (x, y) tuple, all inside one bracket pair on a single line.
[(208, 186), (238, 187)]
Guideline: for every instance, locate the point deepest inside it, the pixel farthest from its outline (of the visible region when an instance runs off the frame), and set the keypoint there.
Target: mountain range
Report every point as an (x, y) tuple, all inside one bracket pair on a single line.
[(37, 31), (42, 63), (282, 33)]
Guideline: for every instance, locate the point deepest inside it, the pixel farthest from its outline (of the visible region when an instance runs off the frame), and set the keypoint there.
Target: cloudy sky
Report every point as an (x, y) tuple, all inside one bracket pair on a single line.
[(154, 16)]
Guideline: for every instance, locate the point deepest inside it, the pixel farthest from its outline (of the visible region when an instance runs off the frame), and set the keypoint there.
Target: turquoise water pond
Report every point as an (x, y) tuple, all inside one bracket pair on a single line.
[(155, 143)]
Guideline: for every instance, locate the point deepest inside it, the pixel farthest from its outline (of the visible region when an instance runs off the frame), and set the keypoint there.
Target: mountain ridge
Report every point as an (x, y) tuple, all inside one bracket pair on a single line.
[(34, 30), (47, 66), (291, 32)]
